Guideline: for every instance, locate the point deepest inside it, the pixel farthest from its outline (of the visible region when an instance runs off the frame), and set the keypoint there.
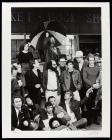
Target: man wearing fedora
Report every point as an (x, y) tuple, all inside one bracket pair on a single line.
[(81, 64), (20, 118), (80, 59)]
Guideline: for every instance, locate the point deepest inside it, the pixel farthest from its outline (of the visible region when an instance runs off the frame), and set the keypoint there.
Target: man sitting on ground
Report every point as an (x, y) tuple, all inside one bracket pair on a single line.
[(45, 116), (58, 110), (34, 111), (73, 108), (56, 124), (20, 117)]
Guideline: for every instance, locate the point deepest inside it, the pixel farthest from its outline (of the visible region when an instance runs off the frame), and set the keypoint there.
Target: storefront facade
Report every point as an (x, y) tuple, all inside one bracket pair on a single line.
[(84, 24)]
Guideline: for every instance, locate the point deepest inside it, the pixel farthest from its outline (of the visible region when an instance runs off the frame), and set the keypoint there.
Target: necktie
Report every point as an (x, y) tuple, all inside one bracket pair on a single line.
[(19, 119)]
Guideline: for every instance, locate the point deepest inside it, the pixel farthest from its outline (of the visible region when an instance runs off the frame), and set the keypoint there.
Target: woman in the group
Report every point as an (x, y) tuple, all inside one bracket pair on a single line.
[(53, 52), (34, 82), (24, 57)]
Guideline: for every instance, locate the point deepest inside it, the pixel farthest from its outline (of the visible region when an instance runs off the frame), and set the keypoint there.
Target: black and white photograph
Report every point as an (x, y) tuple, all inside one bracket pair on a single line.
[(55, 70)]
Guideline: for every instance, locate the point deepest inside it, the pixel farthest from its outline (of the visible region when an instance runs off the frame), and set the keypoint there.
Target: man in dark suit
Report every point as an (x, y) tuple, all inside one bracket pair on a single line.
[(20, 118), (33, 79), (81, 64)]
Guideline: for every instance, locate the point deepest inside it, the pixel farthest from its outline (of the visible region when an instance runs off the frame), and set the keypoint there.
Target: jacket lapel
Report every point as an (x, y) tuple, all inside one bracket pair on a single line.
[(74, 76), (34, 76)]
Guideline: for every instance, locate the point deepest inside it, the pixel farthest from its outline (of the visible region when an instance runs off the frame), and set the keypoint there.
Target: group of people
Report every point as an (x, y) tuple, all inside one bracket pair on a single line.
[(66, 95)]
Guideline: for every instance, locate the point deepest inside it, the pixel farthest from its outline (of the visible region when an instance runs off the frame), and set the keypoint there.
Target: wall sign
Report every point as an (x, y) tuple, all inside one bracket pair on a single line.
[(77, 21)]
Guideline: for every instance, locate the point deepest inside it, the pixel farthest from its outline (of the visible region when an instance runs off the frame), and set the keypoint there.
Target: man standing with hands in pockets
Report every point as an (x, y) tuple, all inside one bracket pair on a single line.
[(34, 82)]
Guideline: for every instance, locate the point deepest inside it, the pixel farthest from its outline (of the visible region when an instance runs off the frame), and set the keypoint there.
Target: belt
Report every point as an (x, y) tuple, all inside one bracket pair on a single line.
[(52, 90)]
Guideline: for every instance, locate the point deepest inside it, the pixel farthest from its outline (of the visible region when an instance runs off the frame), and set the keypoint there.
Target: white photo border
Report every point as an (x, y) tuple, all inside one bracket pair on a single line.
[(6, 72)]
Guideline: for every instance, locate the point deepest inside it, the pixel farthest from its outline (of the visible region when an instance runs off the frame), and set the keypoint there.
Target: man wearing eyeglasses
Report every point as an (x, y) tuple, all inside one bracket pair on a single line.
[(62, 64)]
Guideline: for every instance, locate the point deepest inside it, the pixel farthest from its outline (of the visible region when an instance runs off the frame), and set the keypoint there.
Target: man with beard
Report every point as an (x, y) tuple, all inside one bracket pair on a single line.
[(51, 81), (56, 125)]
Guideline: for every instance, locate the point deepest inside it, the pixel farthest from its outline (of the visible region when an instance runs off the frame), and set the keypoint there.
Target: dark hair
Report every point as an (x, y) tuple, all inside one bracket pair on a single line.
[(14, 61), (62, 56), (76, 65), (69, 91), (97, 54), (13, 68), (22, 46), (32, 62), (16, 96), (50, 97), (47, 104), (90, 55), (69, 61), (49, 66), (52, 120)]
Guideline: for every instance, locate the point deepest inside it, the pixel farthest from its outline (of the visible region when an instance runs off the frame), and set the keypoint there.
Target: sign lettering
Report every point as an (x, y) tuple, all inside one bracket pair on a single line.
[(18, 17), (93, 19)]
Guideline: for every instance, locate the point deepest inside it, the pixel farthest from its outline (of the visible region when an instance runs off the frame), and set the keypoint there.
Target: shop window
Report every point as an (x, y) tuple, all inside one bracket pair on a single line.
[(90, 44)]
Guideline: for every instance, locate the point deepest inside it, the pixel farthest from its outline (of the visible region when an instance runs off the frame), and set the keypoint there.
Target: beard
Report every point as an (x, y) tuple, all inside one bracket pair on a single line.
[(55, 70)]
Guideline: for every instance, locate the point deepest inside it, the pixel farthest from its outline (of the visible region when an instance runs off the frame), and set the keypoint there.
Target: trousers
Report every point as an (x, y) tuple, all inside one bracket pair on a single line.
[(76, 95), (80, 122)]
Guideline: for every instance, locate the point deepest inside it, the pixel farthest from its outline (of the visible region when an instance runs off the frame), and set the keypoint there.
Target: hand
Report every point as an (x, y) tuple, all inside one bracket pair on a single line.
[(58, 71), (41, 90), (60, 115), (34, 125), (29, 43), (25, 123), (36, 118), (96, 86), (89, 91), (37, 86), (20, 83), (69, 123)]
